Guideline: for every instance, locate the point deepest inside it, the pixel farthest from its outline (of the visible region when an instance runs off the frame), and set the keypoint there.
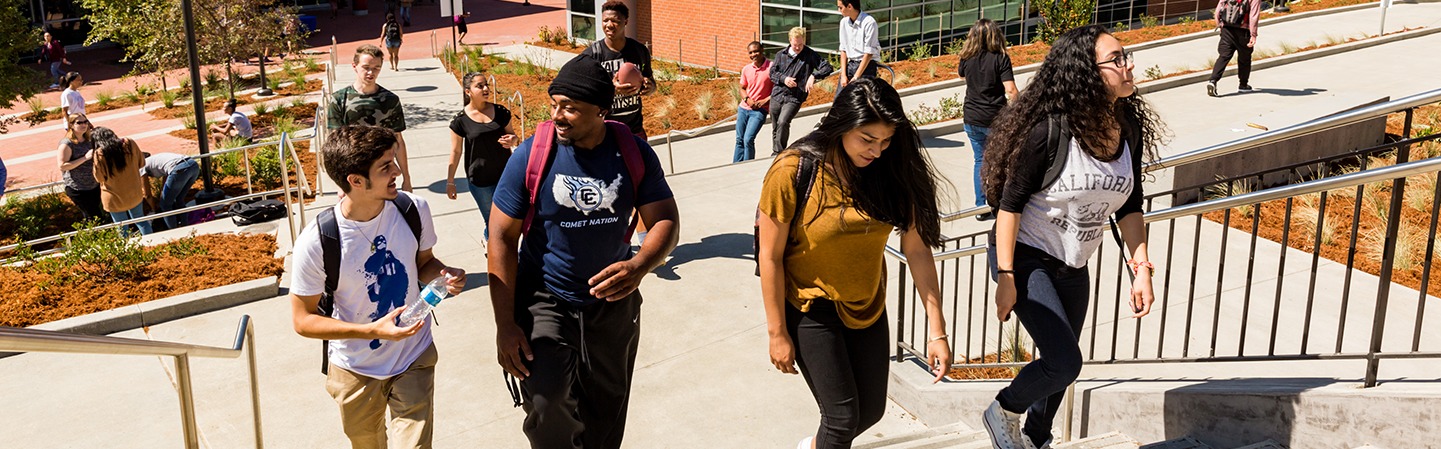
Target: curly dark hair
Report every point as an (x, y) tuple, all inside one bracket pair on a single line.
[(1068, 84), (899, 188)]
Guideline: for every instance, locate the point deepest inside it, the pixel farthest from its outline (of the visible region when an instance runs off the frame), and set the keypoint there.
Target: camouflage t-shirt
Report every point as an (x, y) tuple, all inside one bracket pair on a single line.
[(349, 107)]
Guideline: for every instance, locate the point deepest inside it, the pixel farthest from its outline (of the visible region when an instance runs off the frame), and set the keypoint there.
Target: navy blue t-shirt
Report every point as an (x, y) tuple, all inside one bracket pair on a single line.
[(585, 204)]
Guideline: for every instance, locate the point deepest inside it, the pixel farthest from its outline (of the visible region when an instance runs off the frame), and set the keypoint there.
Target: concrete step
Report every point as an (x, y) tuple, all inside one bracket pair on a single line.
[(952, 436), (1179, 443), (1113, 440), (1268, 444)]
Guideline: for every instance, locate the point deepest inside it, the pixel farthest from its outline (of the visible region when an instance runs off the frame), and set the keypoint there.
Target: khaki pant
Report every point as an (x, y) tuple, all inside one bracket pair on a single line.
[(363, 402)]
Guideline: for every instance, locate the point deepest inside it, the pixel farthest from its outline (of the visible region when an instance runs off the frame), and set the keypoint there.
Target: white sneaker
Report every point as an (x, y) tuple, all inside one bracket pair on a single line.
[(806, 442), (1004, 428), (1211, 89)]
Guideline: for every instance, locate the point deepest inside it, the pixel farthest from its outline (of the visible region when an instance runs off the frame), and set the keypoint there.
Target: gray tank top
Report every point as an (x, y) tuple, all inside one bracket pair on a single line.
[(82, 177)]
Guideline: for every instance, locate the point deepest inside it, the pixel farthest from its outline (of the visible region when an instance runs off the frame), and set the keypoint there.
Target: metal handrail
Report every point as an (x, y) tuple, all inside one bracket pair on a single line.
[(1266, 138), (35, 340), (670, 150), (47, 185)]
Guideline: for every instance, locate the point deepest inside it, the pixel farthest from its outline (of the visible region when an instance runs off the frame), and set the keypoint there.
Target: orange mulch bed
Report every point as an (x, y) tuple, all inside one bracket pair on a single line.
[(987, 373), (213, 104), (566, 47), (28, 298)]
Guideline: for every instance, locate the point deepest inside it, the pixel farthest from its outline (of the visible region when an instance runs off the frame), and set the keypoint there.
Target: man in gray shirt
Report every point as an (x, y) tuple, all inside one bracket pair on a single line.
[(179, 172)]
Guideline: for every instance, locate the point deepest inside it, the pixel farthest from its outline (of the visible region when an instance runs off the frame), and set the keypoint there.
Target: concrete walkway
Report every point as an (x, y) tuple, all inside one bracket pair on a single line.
[(702, 379)]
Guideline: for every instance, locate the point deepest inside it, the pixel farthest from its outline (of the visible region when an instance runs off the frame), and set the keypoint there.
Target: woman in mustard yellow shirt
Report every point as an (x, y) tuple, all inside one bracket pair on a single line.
[(823, 268)]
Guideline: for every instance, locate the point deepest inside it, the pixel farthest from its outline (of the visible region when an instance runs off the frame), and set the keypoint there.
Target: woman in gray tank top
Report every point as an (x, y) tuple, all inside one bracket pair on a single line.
[(77, 168), (1046, 229)]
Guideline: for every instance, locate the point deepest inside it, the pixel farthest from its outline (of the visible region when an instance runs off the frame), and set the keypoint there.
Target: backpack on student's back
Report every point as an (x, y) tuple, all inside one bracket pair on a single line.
[(330, 252), (805, 178), (392, 32), (539, 161), (1234, 13)]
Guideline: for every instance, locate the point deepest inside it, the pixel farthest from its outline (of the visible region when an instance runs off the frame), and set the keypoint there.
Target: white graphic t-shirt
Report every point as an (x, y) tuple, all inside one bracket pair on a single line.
[(377, 274), (1068, 219)]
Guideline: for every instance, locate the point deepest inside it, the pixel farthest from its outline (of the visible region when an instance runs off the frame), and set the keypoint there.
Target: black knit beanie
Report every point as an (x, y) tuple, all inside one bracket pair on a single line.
[(583, 79)]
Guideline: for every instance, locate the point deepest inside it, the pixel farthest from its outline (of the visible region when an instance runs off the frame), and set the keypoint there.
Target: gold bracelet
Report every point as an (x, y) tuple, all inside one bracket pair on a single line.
[(943, 337)]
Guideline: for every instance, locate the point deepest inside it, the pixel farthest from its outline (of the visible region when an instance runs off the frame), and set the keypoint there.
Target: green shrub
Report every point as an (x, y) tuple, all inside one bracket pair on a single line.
[(274, 83), (188, 121), (130, 96), (311, 65), (228, 164), (1061, 16), (920, 51), (29, 218), (38, 111), (144, 90), (285, 125), (1187, 20), (261, 108), (265, 168), (168, 97), (954, 48), (212, 79), (104, 97), (1120, 26), (297, 102), (1154, 72), (299, 81), (1148, 21), (185, 83), (95, 254)]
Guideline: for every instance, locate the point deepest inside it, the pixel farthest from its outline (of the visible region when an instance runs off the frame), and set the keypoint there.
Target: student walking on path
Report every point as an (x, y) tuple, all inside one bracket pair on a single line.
[(751, 113), (862, 173), (1080, 113), (367, 103), (986, 68), (1238, 23), (483, 138), (391, 34), (795, 70), (118, 163), (53, 51), (384, 239), (613, 52), (567, 303), (77, 168), (71, 102)]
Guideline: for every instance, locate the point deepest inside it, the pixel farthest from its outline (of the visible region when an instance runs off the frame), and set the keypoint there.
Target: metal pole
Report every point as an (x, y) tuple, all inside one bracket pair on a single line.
[(285, 185), (679, 53), (187, 400), (264, 86), (202, 131), (1388, 256), (254, 383), (715, 50), (1070, 411), (670, 151)]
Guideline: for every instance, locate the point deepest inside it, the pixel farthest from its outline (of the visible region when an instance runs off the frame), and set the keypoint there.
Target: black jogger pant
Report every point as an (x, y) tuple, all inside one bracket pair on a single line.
[(1233, 40), (846, 369), (579, 385), (781, 114), (1051, 301)]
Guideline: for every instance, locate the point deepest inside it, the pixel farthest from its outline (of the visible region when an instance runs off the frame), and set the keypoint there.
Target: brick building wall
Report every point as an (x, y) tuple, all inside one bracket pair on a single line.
[(699, 32)]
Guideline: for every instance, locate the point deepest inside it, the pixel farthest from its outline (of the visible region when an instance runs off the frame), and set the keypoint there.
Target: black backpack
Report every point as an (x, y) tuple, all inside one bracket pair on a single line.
[(1234, 13), (246, 213), (805, 178), (330, 250)]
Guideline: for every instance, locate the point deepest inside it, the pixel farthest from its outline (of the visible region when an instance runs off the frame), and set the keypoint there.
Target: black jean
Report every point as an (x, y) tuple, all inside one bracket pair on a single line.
[(852, 65), (782, 112), (89, 203), (1051, 301), (846, 370), (578, 391), (1234, 40)]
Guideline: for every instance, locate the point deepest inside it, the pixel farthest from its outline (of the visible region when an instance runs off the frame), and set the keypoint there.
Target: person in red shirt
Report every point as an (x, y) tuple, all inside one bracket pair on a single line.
[(751, 113), (52, 50)]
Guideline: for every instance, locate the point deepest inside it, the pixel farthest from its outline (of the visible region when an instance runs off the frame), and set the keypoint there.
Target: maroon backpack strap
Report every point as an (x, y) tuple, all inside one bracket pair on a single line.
[(542, 146), (630, 153)]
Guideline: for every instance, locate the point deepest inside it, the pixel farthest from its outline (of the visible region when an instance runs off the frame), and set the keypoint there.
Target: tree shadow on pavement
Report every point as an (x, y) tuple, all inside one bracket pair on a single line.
[(732, 245), (416, 114)]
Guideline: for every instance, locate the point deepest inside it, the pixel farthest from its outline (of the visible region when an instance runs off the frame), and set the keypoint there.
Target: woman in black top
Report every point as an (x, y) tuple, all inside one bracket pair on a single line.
[(986, 68), (483, 136), (1045, 234)]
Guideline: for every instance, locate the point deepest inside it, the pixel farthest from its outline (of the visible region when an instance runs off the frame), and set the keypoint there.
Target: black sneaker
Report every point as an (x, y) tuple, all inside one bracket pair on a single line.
[(988, 216), (1246, 88), (1211, 89)]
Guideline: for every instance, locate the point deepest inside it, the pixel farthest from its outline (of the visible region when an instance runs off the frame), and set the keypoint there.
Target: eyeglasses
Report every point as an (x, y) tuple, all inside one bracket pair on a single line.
[(1126, 58), (82, 122)]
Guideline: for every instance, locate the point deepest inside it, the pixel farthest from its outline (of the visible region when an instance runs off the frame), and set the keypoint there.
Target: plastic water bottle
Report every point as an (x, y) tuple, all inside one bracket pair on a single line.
[(430, 297)]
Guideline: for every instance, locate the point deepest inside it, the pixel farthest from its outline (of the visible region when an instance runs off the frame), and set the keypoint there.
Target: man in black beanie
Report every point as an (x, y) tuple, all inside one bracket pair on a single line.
[(567, 308)]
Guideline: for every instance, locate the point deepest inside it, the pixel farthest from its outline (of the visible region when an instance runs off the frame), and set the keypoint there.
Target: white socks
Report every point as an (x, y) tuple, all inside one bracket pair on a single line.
[(806, 442)]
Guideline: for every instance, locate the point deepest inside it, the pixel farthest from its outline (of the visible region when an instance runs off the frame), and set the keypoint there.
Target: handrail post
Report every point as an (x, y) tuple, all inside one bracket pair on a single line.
[(1070, 411), (249, 184), (254, 382), (285, 185), (901, 312), (1388, 256), (187, 402), (670, 151)]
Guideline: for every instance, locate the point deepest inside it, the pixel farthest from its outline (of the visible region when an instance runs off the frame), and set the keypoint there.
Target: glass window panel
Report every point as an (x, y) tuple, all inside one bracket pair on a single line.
[(823, 30), (909, 22), (777, 22), (582, 6), (782, 3), (821, 4), (582, 27), (872, 5)]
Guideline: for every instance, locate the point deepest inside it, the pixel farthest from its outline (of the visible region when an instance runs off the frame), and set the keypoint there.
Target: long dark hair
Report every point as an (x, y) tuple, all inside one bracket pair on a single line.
[(465, 87), (899, 188), (1068, 84), (112, 148)]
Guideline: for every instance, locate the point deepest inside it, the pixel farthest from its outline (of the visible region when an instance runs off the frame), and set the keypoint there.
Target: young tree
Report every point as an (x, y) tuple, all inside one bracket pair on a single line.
[(1062, 16), (16, 38)]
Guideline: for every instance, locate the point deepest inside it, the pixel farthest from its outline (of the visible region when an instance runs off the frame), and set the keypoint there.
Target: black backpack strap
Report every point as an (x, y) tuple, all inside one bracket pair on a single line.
[(805, 179), (411, 214), (1058, 148), (330, 254)]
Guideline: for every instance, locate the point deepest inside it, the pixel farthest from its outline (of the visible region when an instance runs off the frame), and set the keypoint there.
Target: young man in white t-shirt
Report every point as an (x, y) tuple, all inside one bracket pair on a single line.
[(374, 364)]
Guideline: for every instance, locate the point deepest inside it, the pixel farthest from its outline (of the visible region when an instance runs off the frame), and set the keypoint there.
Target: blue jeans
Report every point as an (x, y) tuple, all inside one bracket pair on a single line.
[(56, 72), (978, 137), (483, 196), (748, 124), (1051, 301), (136, 212), (177, 183)]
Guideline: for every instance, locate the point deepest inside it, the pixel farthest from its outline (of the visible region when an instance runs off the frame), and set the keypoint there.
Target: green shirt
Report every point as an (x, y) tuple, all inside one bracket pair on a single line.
[(349, 107)]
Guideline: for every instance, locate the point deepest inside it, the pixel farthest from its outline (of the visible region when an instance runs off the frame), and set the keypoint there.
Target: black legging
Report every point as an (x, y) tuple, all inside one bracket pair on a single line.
[(846, 369), (1051, 301), (89, 203)]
